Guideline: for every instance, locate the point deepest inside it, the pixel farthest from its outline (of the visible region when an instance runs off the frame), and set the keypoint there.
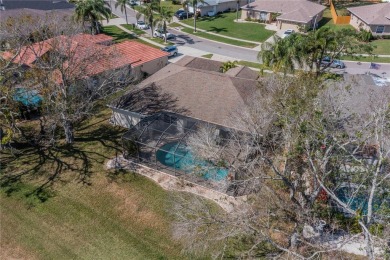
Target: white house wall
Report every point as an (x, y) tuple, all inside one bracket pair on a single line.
[(125, 118)]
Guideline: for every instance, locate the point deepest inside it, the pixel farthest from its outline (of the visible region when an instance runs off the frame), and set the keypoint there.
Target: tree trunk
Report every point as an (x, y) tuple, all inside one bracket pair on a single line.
[(69, 132), (369, 246), (1, 139), (126, 15), (237, 11), (165, 32), (194, 21)]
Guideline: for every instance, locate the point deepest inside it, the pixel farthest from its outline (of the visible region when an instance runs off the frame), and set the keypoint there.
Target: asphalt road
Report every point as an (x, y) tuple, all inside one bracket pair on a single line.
[(196, 42), (240, 53)]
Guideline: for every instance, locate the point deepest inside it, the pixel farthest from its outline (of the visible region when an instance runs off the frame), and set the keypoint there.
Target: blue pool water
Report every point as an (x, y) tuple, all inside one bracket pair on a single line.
[(187, 162), (359, 201)]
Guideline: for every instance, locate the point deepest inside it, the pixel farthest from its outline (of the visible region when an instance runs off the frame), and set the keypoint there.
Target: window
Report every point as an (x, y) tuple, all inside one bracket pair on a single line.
[(380, 29)]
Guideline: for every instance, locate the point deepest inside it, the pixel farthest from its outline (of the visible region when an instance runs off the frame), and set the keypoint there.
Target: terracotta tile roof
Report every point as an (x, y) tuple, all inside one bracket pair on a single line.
[(137, 53), (291, 10), (376, 14), (82, 48)]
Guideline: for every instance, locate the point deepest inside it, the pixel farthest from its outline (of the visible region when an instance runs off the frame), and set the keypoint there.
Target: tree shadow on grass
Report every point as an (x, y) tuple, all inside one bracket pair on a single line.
[(217, 30), (45, 166)]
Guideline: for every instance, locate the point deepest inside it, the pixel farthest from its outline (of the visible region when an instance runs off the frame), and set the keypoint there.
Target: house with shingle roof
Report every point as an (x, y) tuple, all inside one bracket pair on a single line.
[(291, 14), (374, 18), (192, 87)]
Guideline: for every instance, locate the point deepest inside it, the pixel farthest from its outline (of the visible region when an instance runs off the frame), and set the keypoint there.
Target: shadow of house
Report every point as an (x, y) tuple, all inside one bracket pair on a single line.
[(137, 104)]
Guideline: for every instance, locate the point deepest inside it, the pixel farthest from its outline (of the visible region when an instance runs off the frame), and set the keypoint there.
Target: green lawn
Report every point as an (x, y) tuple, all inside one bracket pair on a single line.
[(328, 21), (367, 59), (169, 4), (120, 35), (250, 64), (382, 46), (83, 211), (61, 202), (219, 39), (224, 24), (135, 30), (207, 56)]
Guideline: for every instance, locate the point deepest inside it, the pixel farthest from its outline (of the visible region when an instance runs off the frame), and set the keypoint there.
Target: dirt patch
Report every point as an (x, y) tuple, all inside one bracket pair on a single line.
[(169, 182), (13, 252)]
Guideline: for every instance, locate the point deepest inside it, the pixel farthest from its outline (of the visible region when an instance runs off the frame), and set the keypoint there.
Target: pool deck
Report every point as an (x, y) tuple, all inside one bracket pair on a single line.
[(170, 182)]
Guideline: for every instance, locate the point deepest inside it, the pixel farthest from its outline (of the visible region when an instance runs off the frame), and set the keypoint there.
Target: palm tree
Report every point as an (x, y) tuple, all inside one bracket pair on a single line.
[(228, 65), (165, 17), (194, 4), (315, 44), (281, 55), (91, 10), (148, 12), (122, 4), (138, 16)]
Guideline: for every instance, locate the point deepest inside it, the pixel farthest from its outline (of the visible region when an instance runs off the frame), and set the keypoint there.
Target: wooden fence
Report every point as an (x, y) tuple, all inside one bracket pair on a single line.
[(338, 19)]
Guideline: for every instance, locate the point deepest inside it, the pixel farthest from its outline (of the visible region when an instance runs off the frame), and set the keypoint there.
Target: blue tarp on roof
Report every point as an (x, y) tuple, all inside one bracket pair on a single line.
[(27, 97)]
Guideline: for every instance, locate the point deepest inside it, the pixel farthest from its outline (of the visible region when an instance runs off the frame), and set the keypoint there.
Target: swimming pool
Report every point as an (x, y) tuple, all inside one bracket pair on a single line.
[(185, 161), (358, 201)]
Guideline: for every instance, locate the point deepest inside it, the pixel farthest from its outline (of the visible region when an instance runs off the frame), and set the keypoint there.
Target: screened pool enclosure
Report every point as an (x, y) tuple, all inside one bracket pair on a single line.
[(160, 141)]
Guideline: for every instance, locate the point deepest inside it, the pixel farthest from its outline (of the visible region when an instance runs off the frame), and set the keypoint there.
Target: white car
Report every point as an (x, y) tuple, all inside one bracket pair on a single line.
[(287, 33), (142, 25), (159, 33)]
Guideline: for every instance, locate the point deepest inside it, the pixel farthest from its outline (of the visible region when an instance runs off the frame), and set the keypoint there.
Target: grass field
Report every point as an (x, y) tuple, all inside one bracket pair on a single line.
[(120, 35), (224, 24), (219, 39), (382, 46), (327, 21), (61, 203), (367, 59), (83, 211), (135, 30)]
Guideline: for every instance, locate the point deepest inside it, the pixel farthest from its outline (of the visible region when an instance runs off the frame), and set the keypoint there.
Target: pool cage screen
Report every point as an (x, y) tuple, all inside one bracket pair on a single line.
[(165, 136)]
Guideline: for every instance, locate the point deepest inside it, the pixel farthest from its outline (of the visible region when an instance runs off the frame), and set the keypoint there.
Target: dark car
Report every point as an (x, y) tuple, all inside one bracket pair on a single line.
[(327, 62), (184, 15), (178, 12), (172, 50)]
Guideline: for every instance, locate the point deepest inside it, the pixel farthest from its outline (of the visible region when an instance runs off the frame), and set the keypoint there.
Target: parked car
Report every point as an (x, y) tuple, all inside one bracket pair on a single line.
[(142, 25), (287, 33), (183, 15), (178, 12), (133, 3), (327, 62), (172, 50), (160, 33)]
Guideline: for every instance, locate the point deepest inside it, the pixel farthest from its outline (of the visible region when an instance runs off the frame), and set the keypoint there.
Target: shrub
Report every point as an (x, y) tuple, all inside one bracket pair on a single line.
[(365, 35)]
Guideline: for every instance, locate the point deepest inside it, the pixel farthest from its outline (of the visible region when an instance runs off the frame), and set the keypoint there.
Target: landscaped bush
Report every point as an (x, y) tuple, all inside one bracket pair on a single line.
[(365, 35)]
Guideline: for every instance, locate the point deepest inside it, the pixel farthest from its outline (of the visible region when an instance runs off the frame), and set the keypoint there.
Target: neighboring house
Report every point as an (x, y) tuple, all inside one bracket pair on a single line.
[(291, 14), (217, 6), (41, 8), (192, 87), (374, 18), (140, 58)]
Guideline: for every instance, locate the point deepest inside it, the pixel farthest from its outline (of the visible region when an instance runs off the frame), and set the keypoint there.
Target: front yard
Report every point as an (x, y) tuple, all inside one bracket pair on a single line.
[(224, 24), (382, 47)]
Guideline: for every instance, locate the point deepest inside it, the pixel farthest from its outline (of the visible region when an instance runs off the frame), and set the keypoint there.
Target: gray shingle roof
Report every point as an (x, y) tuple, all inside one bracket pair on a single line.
[(206, 95), (376, 14), (291, 10)]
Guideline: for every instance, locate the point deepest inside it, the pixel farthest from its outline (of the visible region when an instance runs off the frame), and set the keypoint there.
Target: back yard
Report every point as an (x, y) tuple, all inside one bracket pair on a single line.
[(224, 24), (61, 203)]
